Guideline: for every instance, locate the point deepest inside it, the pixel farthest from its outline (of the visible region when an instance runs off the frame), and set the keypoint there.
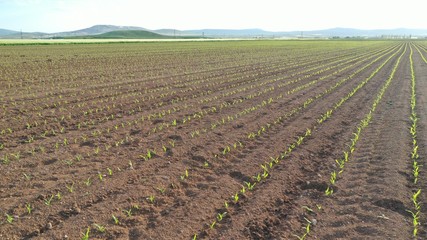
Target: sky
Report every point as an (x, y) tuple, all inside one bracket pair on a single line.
[(272, 15)]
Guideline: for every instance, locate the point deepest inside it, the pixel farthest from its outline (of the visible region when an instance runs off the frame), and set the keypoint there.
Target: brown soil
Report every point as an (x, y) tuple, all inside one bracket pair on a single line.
[(77, 124)]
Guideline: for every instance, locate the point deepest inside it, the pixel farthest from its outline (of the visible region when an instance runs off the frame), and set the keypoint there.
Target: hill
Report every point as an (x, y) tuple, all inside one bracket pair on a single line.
[(112, 31), (128, 34), (97, 29)]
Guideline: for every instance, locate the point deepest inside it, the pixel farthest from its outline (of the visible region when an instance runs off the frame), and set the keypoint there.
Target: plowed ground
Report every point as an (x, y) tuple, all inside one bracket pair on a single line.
[(166, 137)]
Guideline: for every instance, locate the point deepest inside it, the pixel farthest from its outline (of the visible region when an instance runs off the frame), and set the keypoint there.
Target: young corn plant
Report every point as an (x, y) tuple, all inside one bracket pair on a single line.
[(86, 234), (100, 228), (48, 201), (185, 175), (29, 208), (128, 212), (9, 218), (115, 219), (220, 216), (151, 199), (306, 231)]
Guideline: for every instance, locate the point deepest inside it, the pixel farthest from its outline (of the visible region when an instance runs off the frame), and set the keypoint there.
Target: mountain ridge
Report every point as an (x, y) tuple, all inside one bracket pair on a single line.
[(219, 33)]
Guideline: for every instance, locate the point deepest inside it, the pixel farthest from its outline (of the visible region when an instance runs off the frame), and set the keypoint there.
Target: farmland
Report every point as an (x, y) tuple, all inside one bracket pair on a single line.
[(214, 140)]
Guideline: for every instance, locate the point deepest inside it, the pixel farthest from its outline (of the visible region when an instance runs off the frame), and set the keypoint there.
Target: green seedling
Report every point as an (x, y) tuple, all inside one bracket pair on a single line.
[(205, 164), (195, 237), (415, 201), (236, 197), (212, 225), (115, 219), (27, 176), (100, 176), (49, 200), (69, 162), (99, 228), (329, 191), (29, 208), (151, 199), (250, 185), (86, 234), (9, 218), (149, 154), (88, 182), (128, 212), (220, 216), (243, 190), (110, 171), (333, 178), (161, 190), (265, 174), (70, 188), (226, 205), (341, 164), (185, 175), (257, 177), (308, 209), (58, 196)]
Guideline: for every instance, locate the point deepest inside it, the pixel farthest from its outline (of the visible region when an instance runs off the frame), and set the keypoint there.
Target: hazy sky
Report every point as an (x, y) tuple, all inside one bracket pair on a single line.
[(274, 15)]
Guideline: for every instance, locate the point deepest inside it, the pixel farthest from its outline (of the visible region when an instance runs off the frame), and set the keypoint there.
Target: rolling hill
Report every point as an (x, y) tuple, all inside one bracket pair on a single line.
[(124, 34), (112, 31)]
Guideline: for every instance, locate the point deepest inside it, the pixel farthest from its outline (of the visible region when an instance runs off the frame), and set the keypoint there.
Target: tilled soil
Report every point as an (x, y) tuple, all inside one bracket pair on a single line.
[(211, 140)]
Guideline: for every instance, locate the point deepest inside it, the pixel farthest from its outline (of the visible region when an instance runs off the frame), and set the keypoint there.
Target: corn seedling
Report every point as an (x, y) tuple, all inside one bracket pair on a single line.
[(88, 182), (128, 212), (329, 191), (308, 209), (265, 174), (151, 199), (110, 171), (99, 228), (115, 219), (250, 185), (333, 178), (86, 234), (236, 197), (100, 176), (205, 164), (58, 196), (226, 205), (70, 188), (220, 216), (27, 176), (415, 201), (185, 175), (161, 190), (29, 208), (212, 225), (257, 177), (306, 230), (9, 218), (49, 200), (340, 165)]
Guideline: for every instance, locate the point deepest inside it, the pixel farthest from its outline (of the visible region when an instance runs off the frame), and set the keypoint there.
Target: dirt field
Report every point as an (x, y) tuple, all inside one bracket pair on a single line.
[(214, 140)]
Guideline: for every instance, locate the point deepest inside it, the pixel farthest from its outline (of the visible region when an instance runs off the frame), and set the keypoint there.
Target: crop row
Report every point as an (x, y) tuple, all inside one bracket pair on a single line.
[(267, 167)]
